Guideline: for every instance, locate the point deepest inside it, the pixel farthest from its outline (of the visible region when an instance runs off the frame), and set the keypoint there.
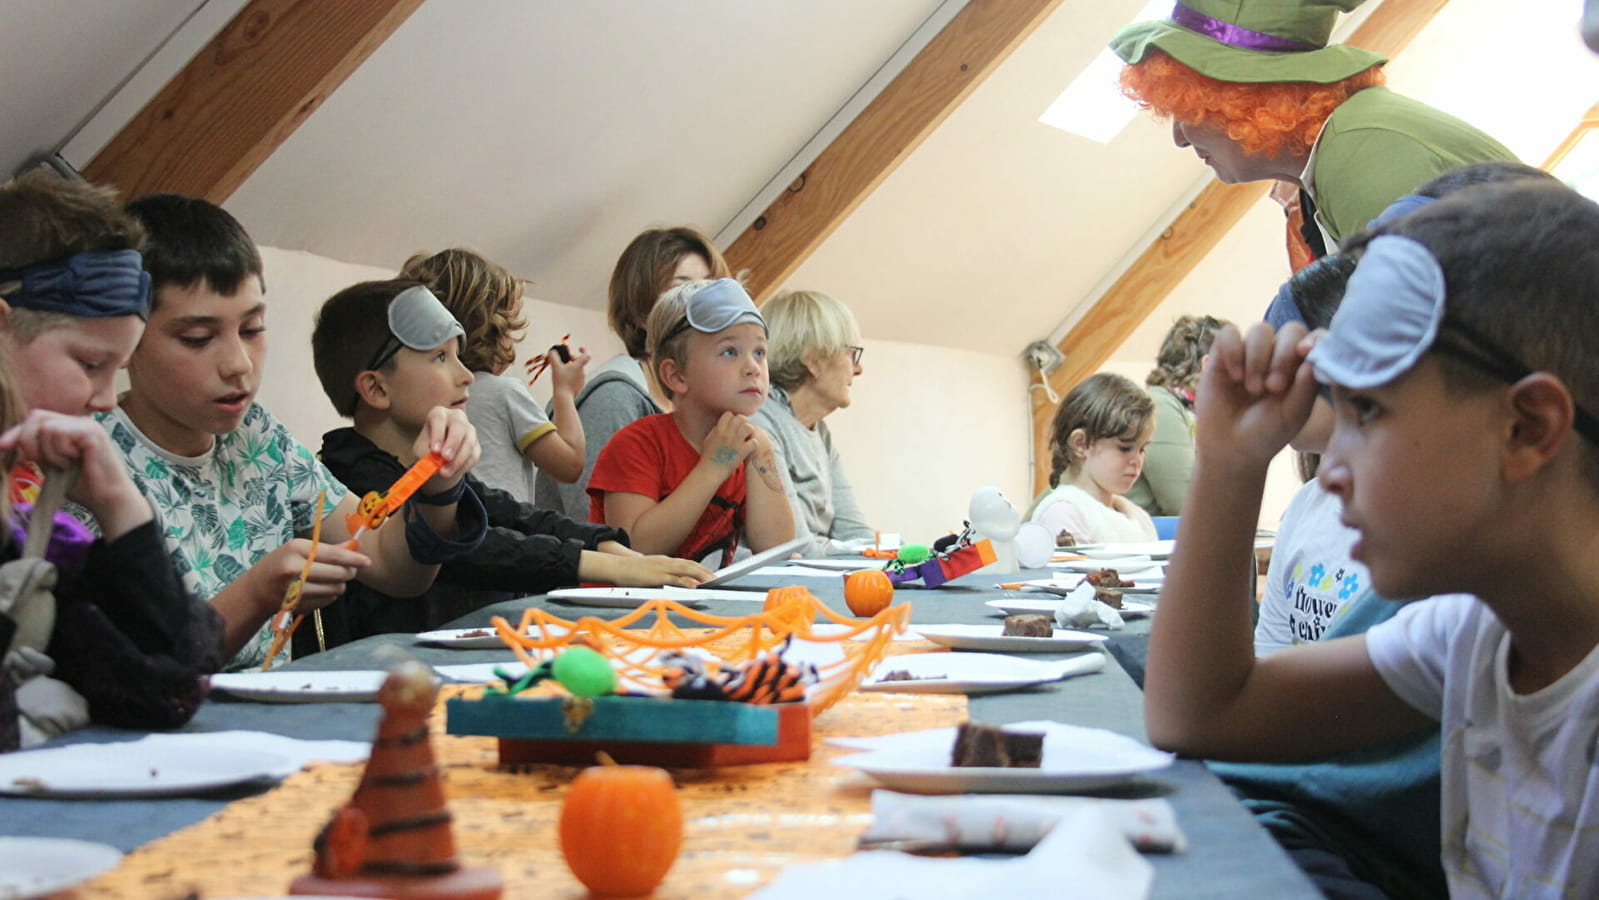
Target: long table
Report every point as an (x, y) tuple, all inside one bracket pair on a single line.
[(1229, 855)]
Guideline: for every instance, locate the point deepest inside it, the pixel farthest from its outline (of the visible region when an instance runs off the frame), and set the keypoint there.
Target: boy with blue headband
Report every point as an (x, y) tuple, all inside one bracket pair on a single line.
[(386, 352), (129, 645), (691, 482), (1466, 455)]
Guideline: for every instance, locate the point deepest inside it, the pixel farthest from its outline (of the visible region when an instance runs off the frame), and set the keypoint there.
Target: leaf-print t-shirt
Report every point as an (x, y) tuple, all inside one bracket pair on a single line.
[(219, 513)]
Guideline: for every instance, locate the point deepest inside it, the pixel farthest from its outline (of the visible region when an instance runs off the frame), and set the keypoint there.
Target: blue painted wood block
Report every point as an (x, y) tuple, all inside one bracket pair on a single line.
[(644, 719)]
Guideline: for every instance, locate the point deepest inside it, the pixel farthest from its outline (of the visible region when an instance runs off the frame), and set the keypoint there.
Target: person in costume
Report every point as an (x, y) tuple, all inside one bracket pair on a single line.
[(1253, 87)]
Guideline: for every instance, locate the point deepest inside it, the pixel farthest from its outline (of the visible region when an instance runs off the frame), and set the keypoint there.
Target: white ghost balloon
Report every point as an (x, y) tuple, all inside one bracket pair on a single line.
[(995, 518), (1034, 546)]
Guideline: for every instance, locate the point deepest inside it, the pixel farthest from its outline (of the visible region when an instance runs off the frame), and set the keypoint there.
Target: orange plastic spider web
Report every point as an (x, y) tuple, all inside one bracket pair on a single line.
[(634, 652)]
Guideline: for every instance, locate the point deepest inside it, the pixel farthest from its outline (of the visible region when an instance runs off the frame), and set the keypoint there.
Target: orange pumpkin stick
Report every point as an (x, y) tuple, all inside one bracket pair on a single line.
[(377, 506), (282, 626)]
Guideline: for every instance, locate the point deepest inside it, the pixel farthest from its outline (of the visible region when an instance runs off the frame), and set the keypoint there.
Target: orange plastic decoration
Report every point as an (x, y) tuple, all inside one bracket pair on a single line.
[(621, 827), (868, 592), (379, 505), (539, 636), (792, 603)]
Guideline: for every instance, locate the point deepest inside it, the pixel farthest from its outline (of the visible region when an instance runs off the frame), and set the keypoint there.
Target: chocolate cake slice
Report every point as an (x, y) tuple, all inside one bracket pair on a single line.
[(1029, 625), (986, 745)]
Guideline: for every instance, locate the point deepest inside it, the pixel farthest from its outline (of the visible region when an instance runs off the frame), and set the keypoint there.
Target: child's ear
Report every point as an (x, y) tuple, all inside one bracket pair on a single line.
[(373, 389), (1078, 442), (1543, 414), (671, 375)]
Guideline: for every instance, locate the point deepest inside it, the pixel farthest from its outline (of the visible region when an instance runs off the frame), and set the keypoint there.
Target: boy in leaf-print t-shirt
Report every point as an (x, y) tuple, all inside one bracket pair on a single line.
[(221, 512)]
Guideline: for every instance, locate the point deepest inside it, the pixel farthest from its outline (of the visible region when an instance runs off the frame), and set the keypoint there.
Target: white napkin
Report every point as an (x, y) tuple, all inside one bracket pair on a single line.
[(1084, 850), (1079, 609), (980, 822), (297, 752)]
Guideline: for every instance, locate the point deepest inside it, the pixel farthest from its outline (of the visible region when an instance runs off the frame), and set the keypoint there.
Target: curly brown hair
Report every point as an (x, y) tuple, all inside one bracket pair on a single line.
[(1183, 351), (1266, 119), (644, 271), (484, 297)]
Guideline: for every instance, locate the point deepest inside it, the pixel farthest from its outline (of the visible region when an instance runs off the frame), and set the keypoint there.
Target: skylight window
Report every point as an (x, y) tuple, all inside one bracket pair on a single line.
[(1092, 105)]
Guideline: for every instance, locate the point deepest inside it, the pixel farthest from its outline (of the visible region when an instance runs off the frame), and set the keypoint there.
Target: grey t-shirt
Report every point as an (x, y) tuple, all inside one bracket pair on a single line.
[(508, 420), (819, 494), (615, 396)]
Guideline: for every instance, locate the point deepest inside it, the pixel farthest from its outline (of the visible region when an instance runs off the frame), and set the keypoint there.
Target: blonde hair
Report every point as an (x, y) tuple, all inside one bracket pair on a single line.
[(1103, 405), (670, 312), (484, 297), (805, 326), (644, 270)]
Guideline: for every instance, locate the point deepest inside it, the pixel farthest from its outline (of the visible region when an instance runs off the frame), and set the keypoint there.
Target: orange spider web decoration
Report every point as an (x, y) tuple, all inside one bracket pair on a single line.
[(633, 651)]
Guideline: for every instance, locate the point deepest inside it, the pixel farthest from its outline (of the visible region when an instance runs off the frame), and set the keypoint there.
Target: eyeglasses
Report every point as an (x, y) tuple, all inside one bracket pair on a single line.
[(855, 353)]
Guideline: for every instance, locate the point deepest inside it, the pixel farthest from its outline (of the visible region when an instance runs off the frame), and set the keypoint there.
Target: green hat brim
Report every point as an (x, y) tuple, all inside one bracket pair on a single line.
[(1208, 56)]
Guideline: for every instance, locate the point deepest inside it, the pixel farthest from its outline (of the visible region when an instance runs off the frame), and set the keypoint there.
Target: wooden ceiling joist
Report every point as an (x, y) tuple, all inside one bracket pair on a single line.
[(1181, 246), (943, 74), (243, 94)]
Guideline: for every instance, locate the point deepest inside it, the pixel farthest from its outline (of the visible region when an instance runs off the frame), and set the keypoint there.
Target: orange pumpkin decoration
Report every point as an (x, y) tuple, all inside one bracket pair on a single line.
[(789, 603), (868, 592), (621, 827)]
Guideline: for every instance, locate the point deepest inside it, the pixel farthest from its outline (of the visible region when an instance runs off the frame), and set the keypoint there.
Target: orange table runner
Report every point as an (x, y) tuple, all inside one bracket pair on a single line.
[(742, 823)]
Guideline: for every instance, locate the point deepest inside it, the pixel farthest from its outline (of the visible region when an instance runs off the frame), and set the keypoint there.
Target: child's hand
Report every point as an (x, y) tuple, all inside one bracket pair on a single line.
[(1255, 393), (448, 433), (568, 376), (55, 441), (730, 442), (334, 567), (656, 571)]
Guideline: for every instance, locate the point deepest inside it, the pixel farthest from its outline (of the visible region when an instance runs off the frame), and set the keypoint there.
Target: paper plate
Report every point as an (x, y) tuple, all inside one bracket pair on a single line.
[(630, 597), (129, 770), (1131, 609), (37, 867), (301, 687), (755, 561), (992, 638), (973, 673)]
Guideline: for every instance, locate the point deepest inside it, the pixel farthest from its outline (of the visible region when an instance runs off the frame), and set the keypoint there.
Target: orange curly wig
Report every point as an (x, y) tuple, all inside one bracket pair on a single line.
[(1265, 119)]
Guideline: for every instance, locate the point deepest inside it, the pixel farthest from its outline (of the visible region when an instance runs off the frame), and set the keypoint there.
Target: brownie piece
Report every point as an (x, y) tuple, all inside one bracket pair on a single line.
[(903, 675), (985, 745), (1108, 578), (1029, 625), (1109, 596)]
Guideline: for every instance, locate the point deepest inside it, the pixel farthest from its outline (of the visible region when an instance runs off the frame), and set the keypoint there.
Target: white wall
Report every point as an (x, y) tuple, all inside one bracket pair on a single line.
[(927, 426)]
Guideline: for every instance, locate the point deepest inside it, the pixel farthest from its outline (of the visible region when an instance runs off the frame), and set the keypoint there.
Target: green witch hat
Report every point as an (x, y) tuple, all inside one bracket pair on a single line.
[(1251, 41)]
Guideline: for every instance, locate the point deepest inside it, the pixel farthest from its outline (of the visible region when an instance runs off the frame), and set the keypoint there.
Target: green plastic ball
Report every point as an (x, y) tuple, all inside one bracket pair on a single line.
[(914, 554), (585, 672)]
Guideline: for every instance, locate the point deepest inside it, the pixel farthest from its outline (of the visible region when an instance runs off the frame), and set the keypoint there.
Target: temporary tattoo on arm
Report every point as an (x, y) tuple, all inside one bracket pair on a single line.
[(724, 456), (766, 467)]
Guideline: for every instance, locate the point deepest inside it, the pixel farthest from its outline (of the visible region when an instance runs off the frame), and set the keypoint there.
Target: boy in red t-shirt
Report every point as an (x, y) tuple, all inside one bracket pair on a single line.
[(678, 482)]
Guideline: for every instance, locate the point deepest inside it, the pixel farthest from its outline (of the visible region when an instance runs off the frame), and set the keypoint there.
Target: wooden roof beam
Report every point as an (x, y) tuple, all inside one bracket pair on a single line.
[(1181, 246), (895, 123), (243, 94)]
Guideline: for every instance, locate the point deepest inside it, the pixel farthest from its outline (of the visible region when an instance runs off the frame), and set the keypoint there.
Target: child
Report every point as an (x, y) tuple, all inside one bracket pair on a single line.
[(1097, 441), (690, 481), (1464, 450), (620, 391), (231, 486), (129, 646), (518, 439), (527, 550)]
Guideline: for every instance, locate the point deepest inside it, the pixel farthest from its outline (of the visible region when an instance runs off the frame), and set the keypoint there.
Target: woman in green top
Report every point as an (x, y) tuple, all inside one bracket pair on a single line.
[(1170, 457)]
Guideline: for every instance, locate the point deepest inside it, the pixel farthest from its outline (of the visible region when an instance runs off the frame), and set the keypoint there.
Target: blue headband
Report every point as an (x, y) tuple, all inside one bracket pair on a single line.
[(95, 284)]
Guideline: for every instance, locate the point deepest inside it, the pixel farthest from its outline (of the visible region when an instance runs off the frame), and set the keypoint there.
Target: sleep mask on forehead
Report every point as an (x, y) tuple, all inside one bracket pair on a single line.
[(95, 284), (721, 304), (417, 320), (1394, 312)]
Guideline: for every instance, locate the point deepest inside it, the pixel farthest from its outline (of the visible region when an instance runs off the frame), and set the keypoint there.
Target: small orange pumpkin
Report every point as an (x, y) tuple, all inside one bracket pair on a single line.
[(868, 592), (621, 828), (790, 603)]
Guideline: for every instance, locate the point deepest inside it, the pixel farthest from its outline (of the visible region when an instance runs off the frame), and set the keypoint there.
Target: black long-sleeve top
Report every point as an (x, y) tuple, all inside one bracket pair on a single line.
[(528, 550)]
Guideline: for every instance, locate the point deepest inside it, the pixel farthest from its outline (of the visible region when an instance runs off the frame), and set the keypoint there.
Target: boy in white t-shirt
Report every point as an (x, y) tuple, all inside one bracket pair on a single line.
[(1463, 368)]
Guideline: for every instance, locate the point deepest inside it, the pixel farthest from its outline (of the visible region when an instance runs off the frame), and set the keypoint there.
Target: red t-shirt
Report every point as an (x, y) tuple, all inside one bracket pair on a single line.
[(23, 482), (652, 458)]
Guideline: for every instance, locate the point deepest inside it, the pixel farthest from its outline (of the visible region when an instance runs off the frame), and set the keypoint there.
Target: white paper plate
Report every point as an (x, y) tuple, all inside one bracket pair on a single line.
[(974, 673), (991, 638), (1131, 609), (1075, 759), (631, 597), (1131, 567), (124, 770), (301, 687), (1112, 550), (484, 638), (36, 867), (839, 565), (828, 629)]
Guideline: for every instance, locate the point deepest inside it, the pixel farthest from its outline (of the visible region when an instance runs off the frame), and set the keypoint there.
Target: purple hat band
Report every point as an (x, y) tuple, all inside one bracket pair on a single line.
[(1235, 35)]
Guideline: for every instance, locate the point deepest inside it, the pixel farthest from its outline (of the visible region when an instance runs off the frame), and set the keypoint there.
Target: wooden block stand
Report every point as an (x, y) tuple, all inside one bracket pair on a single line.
[(654, 731)]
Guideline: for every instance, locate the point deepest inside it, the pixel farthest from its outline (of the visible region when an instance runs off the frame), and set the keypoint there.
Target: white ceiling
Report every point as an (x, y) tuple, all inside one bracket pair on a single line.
[(545, 133)]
